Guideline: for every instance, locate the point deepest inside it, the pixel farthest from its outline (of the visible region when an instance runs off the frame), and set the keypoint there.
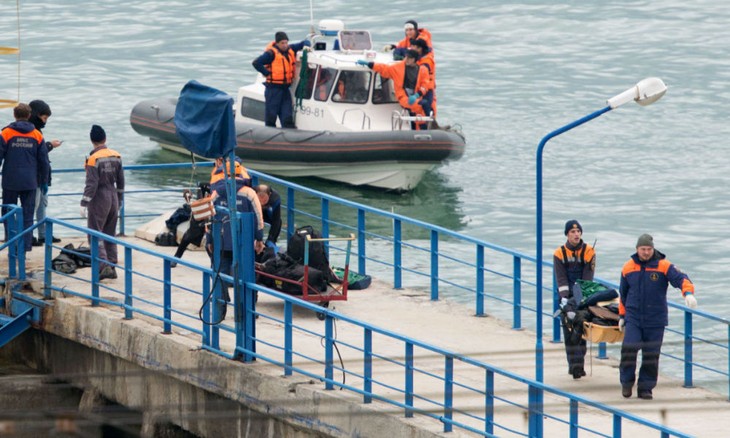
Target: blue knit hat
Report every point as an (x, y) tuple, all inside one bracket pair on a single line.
[(97, 134), (572, 224)]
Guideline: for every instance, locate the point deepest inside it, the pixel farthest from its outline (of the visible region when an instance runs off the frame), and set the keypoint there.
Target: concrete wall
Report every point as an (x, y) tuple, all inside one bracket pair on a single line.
[(170, 380)]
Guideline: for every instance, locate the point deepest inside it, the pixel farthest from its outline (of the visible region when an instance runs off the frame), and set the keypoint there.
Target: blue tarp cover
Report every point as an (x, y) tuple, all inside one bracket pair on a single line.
[(204, 120)]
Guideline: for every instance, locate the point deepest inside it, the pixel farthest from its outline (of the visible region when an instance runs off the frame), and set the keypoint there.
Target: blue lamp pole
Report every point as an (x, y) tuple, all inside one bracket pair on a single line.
[(644, 93)]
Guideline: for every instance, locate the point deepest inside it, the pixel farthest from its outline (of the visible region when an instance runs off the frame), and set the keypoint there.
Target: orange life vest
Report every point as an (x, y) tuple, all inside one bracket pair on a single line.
[(282, 67)]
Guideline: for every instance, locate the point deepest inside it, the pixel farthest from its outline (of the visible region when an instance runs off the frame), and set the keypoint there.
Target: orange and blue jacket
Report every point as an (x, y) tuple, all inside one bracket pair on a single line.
[(218, 173), (104, 177), (397, 73), (25, 155), (643, 289), (571, 264)]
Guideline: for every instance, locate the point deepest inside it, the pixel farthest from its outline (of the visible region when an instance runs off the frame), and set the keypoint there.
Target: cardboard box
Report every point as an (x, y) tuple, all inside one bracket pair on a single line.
[(601, 333)]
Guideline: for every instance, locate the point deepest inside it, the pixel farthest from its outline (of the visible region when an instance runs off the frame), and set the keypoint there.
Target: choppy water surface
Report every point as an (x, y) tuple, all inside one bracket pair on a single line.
[(508, 72)]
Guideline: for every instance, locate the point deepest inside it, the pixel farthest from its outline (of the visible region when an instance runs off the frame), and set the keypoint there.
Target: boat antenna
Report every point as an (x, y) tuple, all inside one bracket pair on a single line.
[(311, 18), (8, 103)]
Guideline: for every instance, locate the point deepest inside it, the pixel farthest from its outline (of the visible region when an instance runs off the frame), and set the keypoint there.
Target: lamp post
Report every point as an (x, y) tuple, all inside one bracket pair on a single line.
[(644, 93)]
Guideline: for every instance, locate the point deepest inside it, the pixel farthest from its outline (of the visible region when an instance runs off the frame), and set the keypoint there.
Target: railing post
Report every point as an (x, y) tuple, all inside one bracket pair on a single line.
[(167, 298), (480, 281), (206, 309), (409, 379), (249, 293), (602, 353), (48, 264), (128, 291), (573, 418), (325, 205), (616, 426), (290, 211), (368, 366), (288, 338), (21, 245), (13, 248), (517, 293), (434, 265), (94, 244), (489, 403), (361, 255), (535, 411), (328, 353), (448, 393), (688, 350), (216, 292), (397, 254), (121, 219), (556, 305)]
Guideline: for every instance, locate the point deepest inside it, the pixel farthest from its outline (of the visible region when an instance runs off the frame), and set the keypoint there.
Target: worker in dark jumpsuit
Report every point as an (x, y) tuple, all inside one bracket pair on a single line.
[(103, 197)]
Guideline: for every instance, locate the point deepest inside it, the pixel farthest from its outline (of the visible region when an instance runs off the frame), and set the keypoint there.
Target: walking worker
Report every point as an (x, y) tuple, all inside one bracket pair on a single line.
[(644, 313), (24, 157), (271, 208), (277, 65), (103, 197), (575, 260), (40, 112)]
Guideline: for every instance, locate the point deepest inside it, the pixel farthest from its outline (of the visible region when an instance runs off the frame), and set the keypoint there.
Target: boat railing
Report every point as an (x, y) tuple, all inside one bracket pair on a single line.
[(366, 123), (477, 397), (399, 117)]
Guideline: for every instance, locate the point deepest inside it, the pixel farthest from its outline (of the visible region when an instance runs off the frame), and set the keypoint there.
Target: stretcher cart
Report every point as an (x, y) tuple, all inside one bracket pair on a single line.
[(305, 290)]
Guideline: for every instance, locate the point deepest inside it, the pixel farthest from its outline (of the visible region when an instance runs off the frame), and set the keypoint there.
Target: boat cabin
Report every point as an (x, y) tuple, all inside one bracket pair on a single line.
[(330, 90)]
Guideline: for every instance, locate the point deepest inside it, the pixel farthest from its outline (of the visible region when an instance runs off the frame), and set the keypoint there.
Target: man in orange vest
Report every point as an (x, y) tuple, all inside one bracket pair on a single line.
[(277, 65), (103, 197)]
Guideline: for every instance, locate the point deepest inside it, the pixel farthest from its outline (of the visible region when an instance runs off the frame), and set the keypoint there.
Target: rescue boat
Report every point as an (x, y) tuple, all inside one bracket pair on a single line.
[(350, 127)]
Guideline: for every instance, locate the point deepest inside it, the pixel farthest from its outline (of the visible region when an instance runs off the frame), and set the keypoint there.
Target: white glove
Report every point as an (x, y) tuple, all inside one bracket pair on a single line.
[(387, 48), (571, 315), (84, 212), (563, 302), (621, 324), (690, 300)]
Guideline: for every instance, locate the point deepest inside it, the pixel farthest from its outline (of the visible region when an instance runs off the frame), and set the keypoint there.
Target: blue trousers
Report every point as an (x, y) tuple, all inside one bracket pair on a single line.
[(27, 203), (278, 104), (649, 341)]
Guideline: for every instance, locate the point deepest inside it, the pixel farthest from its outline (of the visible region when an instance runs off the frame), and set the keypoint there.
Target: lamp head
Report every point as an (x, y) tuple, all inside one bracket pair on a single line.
[(644, 93)]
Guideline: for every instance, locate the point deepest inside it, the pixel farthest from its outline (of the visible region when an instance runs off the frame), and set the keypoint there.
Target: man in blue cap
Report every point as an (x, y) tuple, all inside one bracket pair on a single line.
[(103, 196), (572, 261)]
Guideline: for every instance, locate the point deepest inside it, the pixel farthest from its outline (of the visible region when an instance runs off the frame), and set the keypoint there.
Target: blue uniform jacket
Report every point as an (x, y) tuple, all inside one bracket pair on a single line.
[(644, 286), (25, 155)]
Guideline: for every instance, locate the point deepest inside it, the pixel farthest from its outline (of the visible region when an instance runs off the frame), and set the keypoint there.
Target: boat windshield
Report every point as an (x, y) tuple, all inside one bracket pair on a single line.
[(324, 83), (352, 87)]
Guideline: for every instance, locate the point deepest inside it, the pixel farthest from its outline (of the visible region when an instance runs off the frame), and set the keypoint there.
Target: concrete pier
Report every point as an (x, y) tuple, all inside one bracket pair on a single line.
[(173, 382)]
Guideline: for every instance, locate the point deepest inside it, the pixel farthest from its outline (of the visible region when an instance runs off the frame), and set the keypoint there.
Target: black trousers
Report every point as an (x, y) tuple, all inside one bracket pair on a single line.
[(575, 347)]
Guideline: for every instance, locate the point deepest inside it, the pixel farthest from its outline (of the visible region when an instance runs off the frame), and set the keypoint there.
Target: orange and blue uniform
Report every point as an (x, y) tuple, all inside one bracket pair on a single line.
[(643, 295), (397, 72), (25, 158)]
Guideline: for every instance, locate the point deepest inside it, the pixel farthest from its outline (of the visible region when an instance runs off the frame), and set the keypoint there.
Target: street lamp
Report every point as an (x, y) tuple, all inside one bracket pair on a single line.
[(644, 93)]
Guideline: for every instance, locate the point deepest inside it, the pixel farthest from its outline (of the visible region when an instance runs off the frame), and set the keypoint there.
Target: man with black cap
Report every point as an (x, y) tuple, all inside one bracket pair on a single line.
[(103, 196), (40, 112), (572, 261), (645, 279), (24, 158), (277, 65)]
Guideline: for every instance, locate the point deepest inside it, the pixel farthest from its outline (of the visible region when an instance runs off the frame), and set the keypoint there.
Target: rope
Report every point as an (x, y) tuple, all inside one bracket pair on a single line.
[(17, 8), (303, 80)]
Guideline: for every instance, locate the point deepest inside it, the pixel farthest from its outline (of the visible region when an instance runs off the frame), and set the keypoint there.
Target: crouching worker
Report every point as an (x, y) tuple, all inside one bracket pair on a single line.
[(246, 202), (271, 207), (573, 261)]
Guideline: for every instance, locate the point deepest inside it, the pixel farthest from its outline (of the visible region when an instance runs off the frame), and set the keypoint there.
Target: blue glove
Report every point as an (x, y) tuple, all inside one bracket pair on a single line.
[(362, 62), (270, 244), (44, 189), (413, 98), (307, 43)]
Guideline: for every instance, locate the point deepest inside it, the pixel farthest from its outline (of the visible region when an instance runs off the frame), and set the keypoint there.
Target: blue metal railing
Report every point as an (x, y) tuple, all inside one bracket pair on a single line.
[(451, 407), (432, 253)]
